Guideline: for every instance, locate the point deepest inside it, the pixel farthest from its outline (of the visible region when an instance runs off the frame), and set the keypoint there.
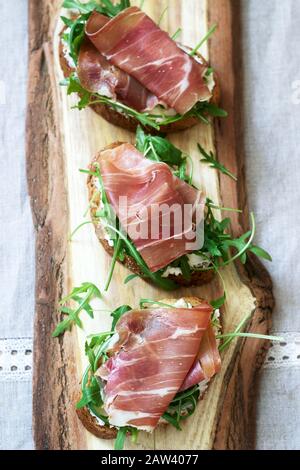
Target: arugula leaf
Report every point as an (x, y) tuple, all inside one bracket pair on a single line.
[(203, 40), (106, 7), (182, 406), (81, 7), (158, 148), (73, 86), (218, 241), (250, 335), (121, 436), (134, 435), (202, 109), (156, 277), (78, 228), (76, 35), (90, 394), (118, 313), (260, 252), (213, 162), (185, 268), (214, 110), (144, 302), (218, 303), (130, 278), (67, 21), (161, 149), (118, 249), (162, 15), (173, 420), (90, 291), (140, 139), (176, 34), (229, 337)]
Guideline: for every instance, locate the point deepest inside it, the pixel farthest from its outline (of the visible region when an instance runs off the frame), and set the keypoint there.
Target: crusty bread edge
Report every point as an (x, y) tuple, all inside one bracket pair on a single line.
[(128, 122), (107, 432)]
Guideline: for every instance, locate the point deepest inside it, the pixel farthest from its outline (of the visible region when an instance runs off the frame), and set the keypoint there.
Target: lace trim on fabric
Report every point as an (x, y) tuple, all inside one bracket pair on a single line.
[(15, 359), (285, 354)]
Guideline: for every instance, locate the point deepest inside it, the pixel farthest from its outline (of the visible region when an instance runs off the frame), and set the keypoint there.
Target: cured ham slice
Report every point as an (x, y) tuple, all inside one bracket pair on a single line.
[(154, 352), (134, 43), (98, 75), (155, 208), (208, 362)]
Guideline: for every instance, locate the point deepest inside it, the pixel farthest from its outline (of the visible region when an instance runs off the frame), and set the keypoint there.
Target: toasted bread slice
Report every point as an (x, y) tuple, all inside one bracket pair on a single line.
[(128, 122), (92, 424), (197, 277)]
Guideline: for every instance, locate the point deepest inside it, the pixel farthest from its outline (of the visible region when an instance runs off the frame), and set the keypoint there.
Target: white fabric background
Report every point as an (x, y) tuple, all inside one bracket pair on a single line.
[(271, 38)]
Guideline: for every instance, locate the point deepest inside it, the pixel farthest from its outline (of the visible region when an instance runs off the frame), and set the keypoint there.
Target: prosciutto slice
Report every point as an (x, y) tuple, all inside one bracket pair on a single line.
[(98, 75), (135, 44), (154, 352), (207, 364), (155, 208)]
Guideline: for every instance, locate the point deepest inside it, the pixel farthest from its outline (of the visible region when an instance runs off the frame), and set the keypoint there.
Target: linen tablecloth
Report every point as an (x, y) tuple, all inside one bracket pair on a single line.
[(271, 43)]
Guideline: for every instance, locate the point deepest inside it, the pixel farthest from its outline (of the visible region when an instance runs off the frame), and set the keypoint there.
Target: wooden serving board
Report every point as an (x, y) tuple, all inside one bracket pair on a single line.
[(59, 142)]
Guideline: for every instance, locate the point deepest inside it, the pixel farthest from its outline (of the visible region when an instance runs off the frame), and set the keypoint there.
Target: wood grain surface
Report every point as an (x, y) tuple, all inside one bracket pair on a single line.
[(59, 142)]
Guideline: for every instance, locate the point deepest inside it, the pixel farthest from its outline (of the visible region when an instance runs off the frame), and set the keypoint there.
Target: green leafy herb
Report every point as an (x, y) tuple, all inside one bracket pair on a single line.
[(229, 337), (218, 303), (78, 228), (239, 328), (118, 313), (203, 40), (218, 242), (73, 86), (155, 277), (162, 15), (158, 148), (213, 162), (214, 110), (106, 7), (67, 21), (83, 8), (130, 278), (162, 150), (81, 296), (204, 109), (90, 394), (76, 36), (134, 435), (176, 34), (250, 335), (227, 209), (118, 248), (209, 71), (185, 268), (121, 436), (260, 253), (144, 302), (182, 406)]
